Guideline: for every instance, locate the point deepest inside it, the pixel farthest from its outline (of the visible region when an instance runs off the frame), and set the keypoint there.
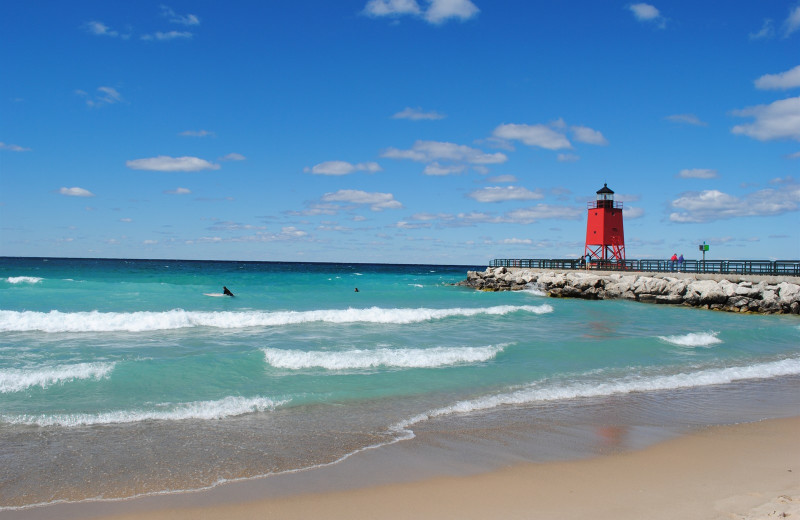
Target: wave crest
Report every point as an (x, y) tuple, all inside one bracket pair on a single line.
[(694, 339), (208, 410), (16, 379), (360, 359), (95, 321), (23, 279)]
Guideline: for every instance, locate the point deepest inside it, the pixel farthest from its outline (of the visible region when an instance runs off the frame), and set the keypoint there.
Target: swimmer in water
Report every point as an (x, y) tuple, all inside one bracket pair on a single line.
[(226, 292)]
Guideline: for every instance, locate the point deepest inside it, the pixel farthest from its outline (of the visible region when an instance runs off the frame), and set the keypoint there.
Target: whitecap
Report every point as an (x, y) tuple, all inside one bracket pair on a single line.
[(23, 279), (541, 392), (207, 410), (95, 321), (387, 357), (18, 379), (694, 339)]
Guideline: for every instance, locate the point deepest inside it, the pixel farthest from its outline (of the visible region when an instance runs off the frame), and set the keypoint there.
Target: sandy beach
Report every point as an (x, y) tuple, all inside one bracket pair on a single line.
[(747, 471)]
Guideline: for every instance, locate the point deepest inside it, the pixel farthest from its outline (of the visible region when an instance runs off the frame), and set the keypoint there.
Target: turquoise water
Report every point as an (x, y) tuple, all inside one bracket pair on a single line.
[(133, 376)]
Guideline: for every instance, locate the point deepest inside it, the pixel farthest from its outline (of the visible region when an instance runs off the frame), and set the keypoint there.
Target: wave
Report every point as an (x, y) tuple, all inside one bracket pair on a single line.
[(535, 289), (402, 358), (694, 339), (16, 380), (208, 410), (539, 393), (95, 321), (23, 279)]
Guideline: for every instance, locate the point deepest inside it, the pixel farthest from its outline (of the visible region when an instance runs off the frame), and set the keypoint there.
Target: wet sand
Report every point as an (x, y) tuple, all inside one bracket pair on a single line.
[(747, 471)]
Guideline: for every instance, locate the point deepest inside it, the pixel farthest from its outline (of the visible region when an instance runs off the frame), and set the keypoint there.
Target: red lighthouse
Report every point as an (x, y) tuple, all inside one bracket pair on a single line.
[(605, 238)]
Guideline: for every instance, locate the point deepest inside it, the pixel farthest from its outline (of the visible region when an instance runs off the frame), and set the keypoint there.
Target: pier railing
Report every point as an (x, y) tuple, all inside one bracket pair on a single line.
[(765, 267)]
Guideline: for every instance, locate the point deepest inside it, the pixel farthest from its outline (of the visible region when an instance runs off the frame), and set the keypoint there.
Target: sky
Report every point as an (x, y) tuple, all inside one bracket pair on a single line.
[(397, 131)]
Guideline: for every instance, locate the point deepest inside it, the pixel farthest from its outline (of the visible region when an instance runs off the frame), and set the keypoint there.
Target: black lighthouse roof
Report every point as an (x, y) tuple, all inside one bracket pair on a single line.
[(604, 189)]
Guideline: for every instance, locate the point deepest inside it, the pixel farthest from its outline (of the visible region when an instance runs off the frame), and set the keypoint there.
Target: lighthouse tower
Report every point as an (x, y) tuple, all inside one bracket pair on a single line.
[(605, 238)]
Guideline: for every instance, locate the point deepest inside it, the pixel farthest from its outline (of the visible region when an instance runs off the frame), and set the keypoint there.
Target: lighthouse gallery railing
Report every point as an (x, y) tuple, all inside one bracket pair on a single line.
[(766, 267)]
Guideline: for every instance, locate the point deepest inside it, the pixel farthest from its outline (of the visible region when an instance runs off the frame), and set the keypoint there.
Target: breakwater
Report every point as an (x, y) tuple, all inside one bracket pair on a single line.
[(733, 293)]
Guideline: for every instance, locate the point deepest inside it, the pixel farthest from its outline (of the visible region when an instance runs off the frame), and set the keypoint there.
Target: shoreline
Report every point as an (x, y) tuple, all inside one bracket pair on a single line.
[(741, 471)]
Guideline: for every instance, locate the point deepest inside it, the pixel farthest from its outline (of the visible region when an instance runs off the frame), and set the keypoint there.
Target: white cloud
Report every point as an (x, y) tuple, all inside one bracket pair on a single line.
[(648, 13), (437, 169), (502, 178), (13, 148), (197, 133), (178, 191), (698, 173), (500, 194), (76, 192), (183, 19), (767, 31), (711, 205), (584, 134), (792, 23), (795, 155), (417, 114), (436, 11), (516, 241), (342, 168), (568, 157), (376, 201), (689, 119), (430, 151), (533, 135), (543, 211), (441, 10), (166, 36), (632, 213), (780, 81), (105, 96), (100, 29), (233, 157), (164, 163), (778, 120)]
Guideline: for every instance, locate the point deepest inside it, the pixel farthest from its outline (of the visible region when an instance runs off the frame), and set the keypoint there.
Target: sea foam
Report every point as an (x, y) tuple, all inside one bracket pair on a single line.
[(23, 279), (18, 379), (539, 392), (207, 410), (359, 359), (95, 321), (694, 339)]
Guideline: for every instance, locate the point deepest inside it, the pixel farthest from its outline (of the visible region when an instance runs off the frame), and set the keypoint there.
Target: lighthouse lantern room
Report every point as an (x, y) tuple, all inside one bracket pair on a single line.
[(605, 238)]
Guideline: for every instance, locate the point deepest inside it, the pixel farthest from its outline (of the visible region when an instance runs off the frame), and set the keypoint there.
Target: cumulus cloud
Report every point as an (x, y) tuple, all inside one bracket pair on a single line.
[(417, 114), (647, 13), (166, 36), (500, 194), (183, 19), (780, 81), (375, 200), (342, 168), (792, 23), (197, 133), (767, 31), (567, 157), (698, 173), (689, 119), (502, 178), (101, 29), (437, 169), (178, 191), (13, 147), (76, 192), (632, 213), (778, 120), (533, 135), (543, 211), (104, 96), (711, 205), (434, 11), (431, 151), (584, 134), (164, 163)]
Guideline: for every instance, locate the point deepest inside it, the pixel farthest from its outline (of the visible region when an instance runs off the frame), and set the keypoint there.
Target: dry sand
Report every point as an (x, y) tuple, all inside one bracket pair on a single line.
[(748, 471)]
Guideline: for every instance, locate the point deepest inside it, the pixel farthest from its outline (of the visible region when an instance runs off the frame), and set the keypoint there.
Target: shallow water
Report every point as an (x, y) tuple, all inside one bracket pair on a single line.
[(122, 377)]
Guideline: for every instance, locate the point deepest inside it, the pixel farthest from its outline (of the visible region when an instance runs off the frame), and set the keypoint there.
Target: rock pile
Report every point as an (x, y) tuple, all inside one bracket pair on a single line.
[(768, 297)]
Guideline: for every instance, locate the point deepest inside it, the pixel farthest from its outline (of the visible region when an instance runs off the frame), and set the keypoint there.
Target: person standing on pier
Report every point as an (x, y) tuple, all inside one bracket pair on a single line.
[(672, 261), (680, 263)]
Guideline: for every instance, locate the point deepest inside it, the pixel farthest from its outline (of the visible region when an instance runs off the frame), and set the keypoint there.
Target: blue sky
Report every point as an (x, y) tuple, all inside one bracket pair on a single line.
[(410, 131)]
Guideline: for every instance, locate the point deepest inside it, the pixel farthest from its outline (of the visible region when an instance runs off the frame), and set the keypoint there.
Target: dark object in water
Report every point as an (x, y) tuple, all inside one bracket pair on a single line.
[(226, 292)]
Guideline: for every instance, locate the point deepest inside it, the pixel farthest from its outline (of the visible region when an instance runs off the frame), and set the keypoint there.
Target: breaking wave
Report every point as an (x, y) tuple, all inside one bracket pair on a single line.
[(208, 410), (539, 393), (18, 379), (402, 358), (695, 339), (23, 279), (95, 321)]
